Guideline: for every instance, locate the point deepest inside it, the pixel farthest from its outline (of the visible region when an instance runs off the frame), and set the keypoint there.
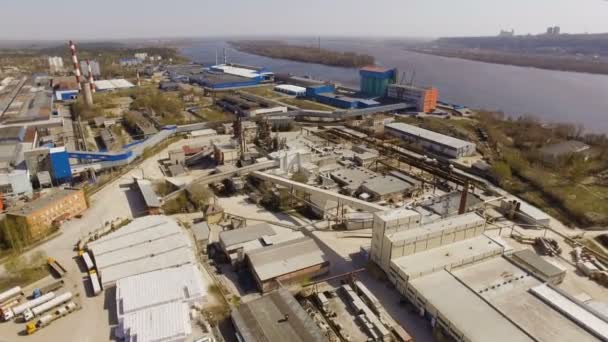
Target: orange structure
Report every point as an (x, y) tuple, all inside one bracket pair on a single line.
[(425, 98)]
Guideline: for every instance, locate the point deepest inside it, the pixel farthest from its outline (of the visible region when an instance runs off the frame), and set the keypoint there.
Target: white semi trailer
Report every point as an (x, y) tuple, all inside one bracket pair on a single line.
[(40, 309), (21, 308)]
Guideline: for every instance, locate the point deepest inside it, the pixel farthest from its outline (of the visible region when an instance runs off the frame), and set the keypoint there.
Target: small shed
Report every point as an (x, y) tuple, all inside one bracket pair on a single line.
[(201, 232)]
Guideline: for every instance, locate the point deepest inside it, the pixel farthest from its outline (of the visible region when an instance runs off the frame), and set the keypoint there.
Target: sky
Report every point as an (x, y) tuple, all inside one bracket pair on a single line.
[(70, 19)]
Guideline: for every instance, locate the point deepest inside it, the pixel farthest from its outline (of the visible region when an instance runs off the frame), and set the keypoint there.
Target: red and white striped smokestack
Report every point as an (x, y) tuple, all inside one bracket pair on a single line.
[(76, 66), (91, 80)]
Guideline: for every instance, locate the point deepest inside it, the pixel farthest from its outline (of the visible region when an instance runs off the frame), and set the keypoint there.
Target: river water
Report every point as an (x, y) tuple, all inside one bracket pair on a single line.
[(549, 95)]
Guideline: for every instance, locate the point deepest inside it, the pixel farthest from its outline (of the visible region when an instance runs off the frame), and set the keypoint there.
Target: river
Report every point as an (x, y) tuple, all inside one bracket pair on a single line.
[(552, 96)]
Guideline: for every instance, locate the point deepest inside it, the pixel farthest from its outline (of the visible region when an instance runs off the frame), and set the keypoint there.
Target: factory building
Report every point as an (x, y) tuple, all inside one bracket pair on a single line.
[(287, 263), (95, 68), (431, 141), (375, 80), (56, 64), (343, 101), (40, 215), (283, 319), (425, 99), (223, 76), (457, 277)]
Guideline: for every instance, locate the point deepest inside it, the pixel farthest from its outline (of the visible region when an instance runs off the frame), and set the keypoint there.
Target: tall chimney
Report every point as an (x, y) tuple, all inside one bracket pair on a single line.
[(76, 66), (91, 80)]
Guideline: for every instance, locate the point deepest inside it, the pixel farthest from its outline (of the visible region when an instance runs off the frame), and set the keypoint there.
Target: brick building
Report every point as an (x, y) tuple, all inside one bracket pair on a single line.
[(40, 215)]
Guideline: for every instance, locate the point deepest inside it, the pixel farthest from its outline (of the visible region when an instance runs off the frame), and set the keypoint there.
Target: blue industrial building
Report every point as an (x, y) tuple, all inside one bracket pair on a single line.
[(313, 91), (345, 102), (375, 80), (60, 165)]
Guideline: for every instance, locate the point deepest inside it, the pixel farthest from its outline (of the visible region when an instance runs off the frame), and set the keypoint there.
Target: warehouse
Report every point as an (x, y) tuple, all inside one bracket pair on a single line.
[(290, 89), (432, 141), (183, 284), (146, 244), (343, 101), (113, 84), (287, 263), (151, 200), (162, 323), (276, 316)]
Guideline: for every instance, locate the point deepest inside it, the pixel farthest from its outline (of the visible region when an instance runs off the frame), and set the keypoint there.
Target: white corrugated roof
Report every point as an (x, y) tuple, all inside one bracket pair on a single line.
[(231, 70), (178, 257), (180, 284), (139, 231), (425, 134), (168, 322), (147, 244), (143, 250), (289, 87), (117, 83)]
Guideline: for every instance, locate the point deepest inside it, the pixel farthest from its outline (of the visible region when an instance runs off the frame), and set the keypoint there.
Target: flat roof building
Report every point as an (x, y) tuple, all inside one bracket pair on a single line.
[(538, 266), (432, 141), (276, 316), (424, 98), (287, 263), (150, 197), (290, 89), (40, 215)]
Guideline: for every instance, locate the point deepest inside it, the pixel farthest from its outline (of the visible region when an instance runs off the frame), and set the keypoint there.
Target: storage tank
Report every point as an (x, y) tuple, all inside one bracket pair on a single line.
[(19, 309), (44, 320), (10, 293), (62, 298)]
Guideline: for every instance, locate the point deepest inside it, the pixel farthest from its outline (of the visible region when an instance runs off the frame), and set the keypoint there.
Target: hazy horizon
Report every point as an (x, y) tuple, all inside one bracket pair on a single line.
[(38, 20)]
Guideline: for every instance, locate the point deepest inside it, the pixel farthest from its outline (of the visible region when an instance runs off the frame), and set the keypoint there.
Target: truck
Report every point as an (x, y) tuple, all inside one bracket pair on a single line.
[(47, 319), (21, 308), (56, 267), (95, 282), (10, 294), (40, 309), (7, 306), (88, 262), (54, 286)]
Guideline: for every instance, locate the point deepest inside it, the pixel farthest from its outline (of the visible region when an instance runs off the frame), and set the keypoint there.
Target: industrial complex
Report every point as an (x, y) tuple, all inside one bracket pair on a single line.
[(224, 202)]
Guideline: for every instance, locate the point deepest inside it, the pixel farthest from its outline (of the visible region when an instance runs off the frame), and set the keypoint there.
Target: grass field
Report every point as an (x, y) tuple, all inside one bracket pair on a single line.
[(307, 104), (265, 91)]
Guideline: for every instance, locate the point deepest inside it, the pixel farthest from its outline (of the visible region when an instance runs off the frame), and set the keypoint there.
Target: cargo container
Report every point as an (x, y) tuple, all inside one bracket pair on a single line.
[(10, 294), (95, 282), (87, 261), (21, 308), (56, 267), (47, 319)]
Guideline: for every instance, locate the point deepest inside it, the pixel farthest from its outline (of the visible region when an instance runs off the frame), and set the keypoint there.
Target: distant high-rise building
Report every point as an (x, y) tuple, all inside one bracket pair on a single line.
[(505, 33), (142, 56), (95, 68), (56, 64), (556, 30), (553, 30)]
